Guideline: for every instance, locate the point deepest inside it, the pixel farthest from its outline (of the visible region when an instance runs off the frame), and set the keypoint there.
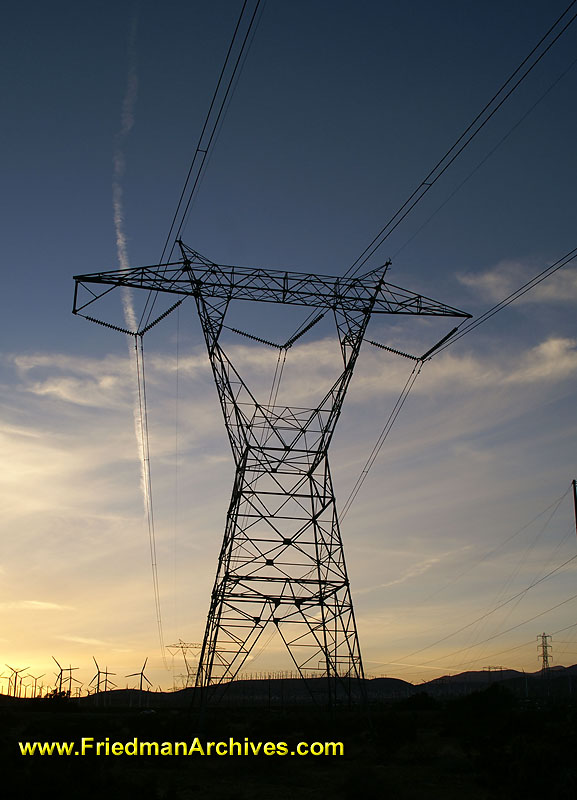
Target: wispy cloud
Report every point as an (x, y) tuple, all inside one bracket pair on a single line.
[(500, 281), (102, 382), (413, 571), (97, 383), (34, 605), (553, 360), (86, 641)]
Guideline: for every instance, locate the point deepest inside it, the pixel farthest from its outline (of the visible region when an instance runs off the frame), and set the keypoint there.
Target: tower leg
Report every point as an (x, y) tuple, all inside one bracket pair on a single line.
[(282, 564)]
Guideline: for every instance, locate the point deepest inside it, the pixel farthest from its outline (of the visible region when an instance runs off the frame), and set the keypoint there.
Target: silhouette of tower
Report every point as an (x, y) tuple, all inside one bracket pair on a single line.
[(544, 646), (281, 563), (185, 648)]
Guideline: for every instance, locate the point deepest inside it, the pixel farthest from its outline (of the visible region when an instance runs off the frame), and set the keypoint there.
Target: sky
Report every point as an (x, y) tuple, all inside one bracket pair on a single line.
[(339, 112)]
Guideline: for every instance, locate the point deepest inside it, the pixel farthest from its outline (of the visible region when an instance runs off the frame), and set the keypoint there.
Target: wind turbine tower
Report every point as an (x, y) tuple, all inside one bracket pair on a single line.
[(142, 678)]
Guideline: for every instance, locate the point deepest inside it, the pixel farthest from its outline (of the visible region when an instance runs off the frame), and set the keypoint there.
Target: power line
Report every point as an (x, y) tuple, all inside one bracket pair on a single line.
[(525, 644), (429, 180), (176, 467), (486, 157), (501, 594), (382, 437), (526, 287), (426, 184), (496, 635), (237, 70), (198, 150), (514, 627), (491, 552), (196, 167), (462, 142), (419, 361), (500, 652), (437, 171), (453, 337), (147, 484), (221, 96), (488, 613)]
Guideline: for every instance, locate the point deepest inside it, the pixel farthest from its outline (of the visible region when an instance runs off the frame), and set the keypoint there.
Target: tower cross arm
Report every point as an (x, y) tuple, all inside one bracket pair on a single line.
[(187, 278), (393, 299)]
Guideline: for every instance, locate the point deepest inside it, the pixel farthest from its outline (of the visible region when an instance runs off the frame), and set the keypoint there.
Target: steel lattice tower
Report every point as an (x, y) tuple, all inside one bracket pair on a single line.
[(544, 646), (281, 562)]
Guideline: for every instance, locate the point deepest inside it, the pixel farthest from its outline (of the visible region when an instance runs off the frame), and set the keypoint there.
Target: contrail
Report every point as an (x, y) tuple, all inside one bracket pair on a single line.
[(119, 167)]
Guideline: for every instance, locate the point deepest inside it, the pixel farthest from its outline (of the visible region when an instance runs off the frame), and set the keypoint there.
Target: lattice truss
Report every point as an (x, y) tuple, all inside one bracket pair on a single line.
[(281, 562)]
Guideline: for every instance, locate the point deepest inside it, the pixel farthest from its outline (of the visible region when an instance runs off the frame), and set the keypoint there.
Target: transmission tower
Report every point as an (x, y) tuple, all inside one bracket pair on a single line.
[(187, 647), (281, 563), (544, 646)]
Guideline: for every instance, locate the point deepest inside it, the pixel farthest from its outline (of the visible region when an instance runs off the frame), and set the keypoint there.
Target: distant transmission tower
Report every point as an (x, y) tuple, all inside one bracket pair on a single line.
[(281, 563), (544, 646), (187, 647)]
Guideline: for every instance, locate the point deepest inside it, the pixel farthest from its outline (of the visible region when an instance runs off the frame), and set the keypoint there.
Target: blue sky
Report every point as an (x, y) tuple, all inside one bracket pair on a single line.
[(339, 111)]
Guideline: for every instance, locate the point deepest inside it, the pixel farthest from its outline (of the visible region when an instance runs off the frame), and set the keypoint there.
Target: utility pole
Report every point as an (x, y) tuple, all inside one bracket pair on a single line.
[(282, 563), (574, 484)]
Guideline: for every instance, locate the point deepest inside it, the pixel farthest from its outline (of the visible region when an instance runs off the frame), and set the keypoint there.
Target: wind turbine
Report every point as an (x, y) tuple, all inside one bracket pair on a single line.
[(8, 678), (69, 670), (59, 676), (36, 679), (142, 677), (96, 678), (16, 672)]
